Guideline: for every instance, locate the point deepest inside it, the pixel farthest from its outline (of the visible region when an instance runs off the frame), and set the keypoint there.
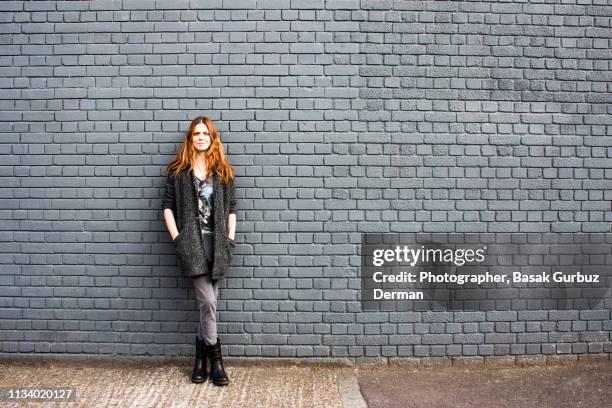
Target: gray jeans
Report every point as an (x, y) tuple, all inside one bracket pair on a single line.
[(207, 292)]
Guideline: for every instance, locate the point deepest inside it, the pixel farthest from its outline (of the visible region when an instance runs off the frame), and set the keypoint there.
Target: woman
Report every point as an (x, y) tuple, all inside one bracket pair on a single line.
[(200, 213)]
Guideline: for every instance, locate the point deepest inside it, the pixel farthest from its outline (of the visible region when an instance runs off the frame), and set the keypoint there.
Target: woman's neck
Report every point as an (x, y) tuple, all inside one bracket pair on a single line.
[(200, 167)]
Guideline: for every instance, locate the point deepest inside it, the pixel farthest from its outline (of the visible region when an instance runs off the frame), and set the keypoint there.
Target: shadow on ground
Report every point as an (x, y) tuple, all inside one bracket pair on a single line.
[(586, 385)]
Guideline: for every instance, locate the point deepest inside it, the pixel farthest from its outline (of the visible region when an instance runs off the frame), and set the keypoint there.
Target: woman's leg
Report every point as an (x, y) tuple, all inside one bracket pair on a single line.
[(207, 292)]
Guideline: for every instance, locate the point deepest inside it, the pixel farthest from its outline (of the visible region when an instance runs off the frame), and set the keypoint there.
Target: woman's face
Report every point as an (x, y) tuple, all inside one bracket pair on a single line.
[(200, 137)]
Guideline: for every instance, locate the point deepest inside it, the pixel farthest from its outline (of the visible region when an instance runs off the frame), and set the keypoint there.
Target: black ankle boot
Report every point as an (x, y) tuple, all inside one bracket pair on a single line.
[(217, 373), (199, 374)]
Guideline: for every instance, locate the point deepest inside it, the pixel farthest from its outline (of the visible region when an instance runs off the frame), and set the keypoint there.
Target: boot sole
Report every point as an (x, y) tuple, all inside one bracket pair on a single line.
[(220, 384), (198, 380)]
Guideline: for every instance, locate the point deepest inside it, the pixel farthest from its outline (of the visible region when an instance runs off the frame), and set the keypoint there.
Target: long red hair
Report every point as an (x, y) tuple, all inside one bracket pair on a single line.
[(215, 157)]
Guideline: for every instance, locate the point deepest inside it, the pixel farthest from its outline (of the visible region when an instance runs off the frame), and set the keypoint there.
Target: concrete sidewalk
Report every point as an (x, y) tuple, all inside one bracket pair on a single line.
[(106, 384)]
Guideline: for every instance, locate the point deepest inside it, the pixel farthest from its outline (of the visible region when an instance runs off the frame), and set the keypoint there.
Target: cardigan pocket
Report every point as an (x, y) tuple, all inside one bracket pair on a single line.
[(181, 255), (231, 247)]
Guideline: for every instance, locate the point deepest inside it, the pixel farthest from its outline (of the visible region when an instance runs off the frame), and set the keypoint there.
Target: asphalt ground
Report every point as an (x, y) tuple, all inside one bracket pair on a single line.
[(255, 384)]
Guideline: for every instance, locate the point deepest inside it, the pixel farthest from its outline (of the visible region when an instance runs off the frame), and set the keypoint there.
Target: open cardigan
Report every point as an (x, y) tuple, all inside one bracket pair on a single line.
[(180, 197)]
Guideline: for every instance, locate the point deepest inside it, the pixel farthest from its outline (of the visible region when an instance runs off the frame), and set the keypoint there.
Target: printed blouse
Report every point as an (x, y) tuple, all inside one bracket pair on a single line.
[(204, 191)]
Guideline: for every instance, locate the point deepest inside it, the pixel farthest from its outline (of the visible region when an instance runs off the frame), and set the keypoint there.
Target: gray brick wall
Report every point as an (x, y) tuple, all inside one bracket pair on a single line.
[(340, 117)]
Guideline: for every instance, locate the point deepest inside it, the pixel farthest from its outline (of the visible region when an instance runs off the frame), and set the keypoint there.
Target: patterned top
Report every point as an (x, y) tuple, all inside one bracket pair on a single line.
[(206, 211)]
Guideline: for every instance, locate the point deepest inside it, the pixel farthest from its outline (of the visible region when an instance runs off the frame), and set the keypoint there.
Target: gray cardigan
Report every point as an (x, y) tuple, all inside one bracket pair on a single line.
[(180, 197)]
